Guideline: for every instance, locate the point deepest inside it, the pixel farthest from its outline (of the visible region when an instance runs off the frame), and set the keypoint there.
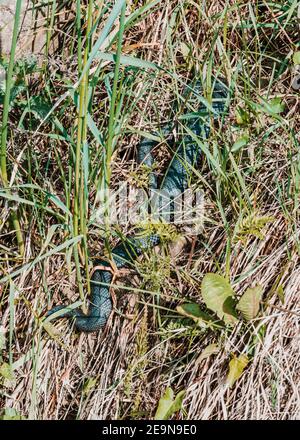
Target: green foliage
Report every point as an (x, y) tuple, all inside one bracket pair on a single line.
[(38, 107), (22, 69), (218, 296), (237, 366), (240, 143), (257, 338), (169, 404), (141, 176), (296, 58), (209, 351), (249, 303), (155, 271), (7, 376), (276, 106), (11, 414), (6, 371), (166, 231), (194, 312), (252, 224), (242, 116)]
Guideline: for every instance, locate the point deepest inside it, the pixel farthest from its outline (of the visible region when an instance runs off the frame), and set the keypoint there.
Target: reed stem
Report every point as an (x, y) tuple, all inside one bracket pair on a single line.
[(4, 130)]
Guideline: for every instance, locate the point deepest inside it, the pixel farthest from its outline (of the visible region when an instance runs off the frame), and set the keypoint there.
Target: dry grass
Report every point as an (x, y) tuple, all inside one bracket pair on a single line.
[(146, 346)]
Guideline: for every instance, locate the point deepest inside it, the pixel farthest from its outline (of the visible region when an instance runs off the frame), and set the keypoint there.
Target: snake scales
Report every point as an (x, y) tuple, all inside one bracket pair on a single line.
[(174, 182)]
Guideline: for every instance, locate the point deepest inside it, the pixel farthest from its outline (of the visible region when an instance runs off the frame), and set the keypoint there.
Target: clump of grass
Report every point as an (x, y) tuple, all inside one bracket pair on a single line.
[(4, 129)]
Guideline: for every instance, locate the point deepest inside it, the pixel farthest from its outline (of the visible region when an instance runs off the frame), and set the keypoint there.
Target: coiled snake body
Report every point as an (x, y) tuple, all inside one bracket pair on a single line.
[(174, 183)]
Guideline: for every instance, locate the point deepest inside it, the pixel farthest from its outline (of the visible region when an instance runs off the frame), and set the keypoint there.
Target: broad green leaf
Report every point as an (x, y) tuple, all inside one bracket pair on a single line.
[(236, 368), (296, 58), (193, 311), (240, 143), (218, 297), (168, 404), (248, 305), (275, 106), (6, 371), (208, 351)]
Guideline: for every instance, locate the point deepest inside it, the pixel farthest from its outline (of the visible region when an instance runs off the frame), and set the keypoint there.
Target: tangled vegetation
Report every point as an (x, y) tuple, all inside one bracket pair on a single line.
[(205, 326)]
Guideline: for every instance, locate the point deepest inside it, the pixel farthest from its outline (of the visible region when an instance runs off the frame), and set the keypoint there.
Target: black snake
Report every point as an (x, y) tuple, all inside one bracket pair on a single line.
[(175, 182)]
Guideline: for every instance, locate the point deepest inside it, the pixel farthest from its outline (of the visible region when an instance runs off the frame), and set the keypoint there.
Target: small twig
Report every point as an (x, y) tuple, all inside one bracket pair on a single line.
[(290, 312)]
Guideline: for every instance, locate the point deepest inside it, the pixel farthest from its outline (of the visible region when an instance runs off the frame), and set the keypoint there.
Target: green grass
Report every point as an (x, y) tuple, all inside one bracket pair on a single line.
[(4, 128), (71, 125)]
